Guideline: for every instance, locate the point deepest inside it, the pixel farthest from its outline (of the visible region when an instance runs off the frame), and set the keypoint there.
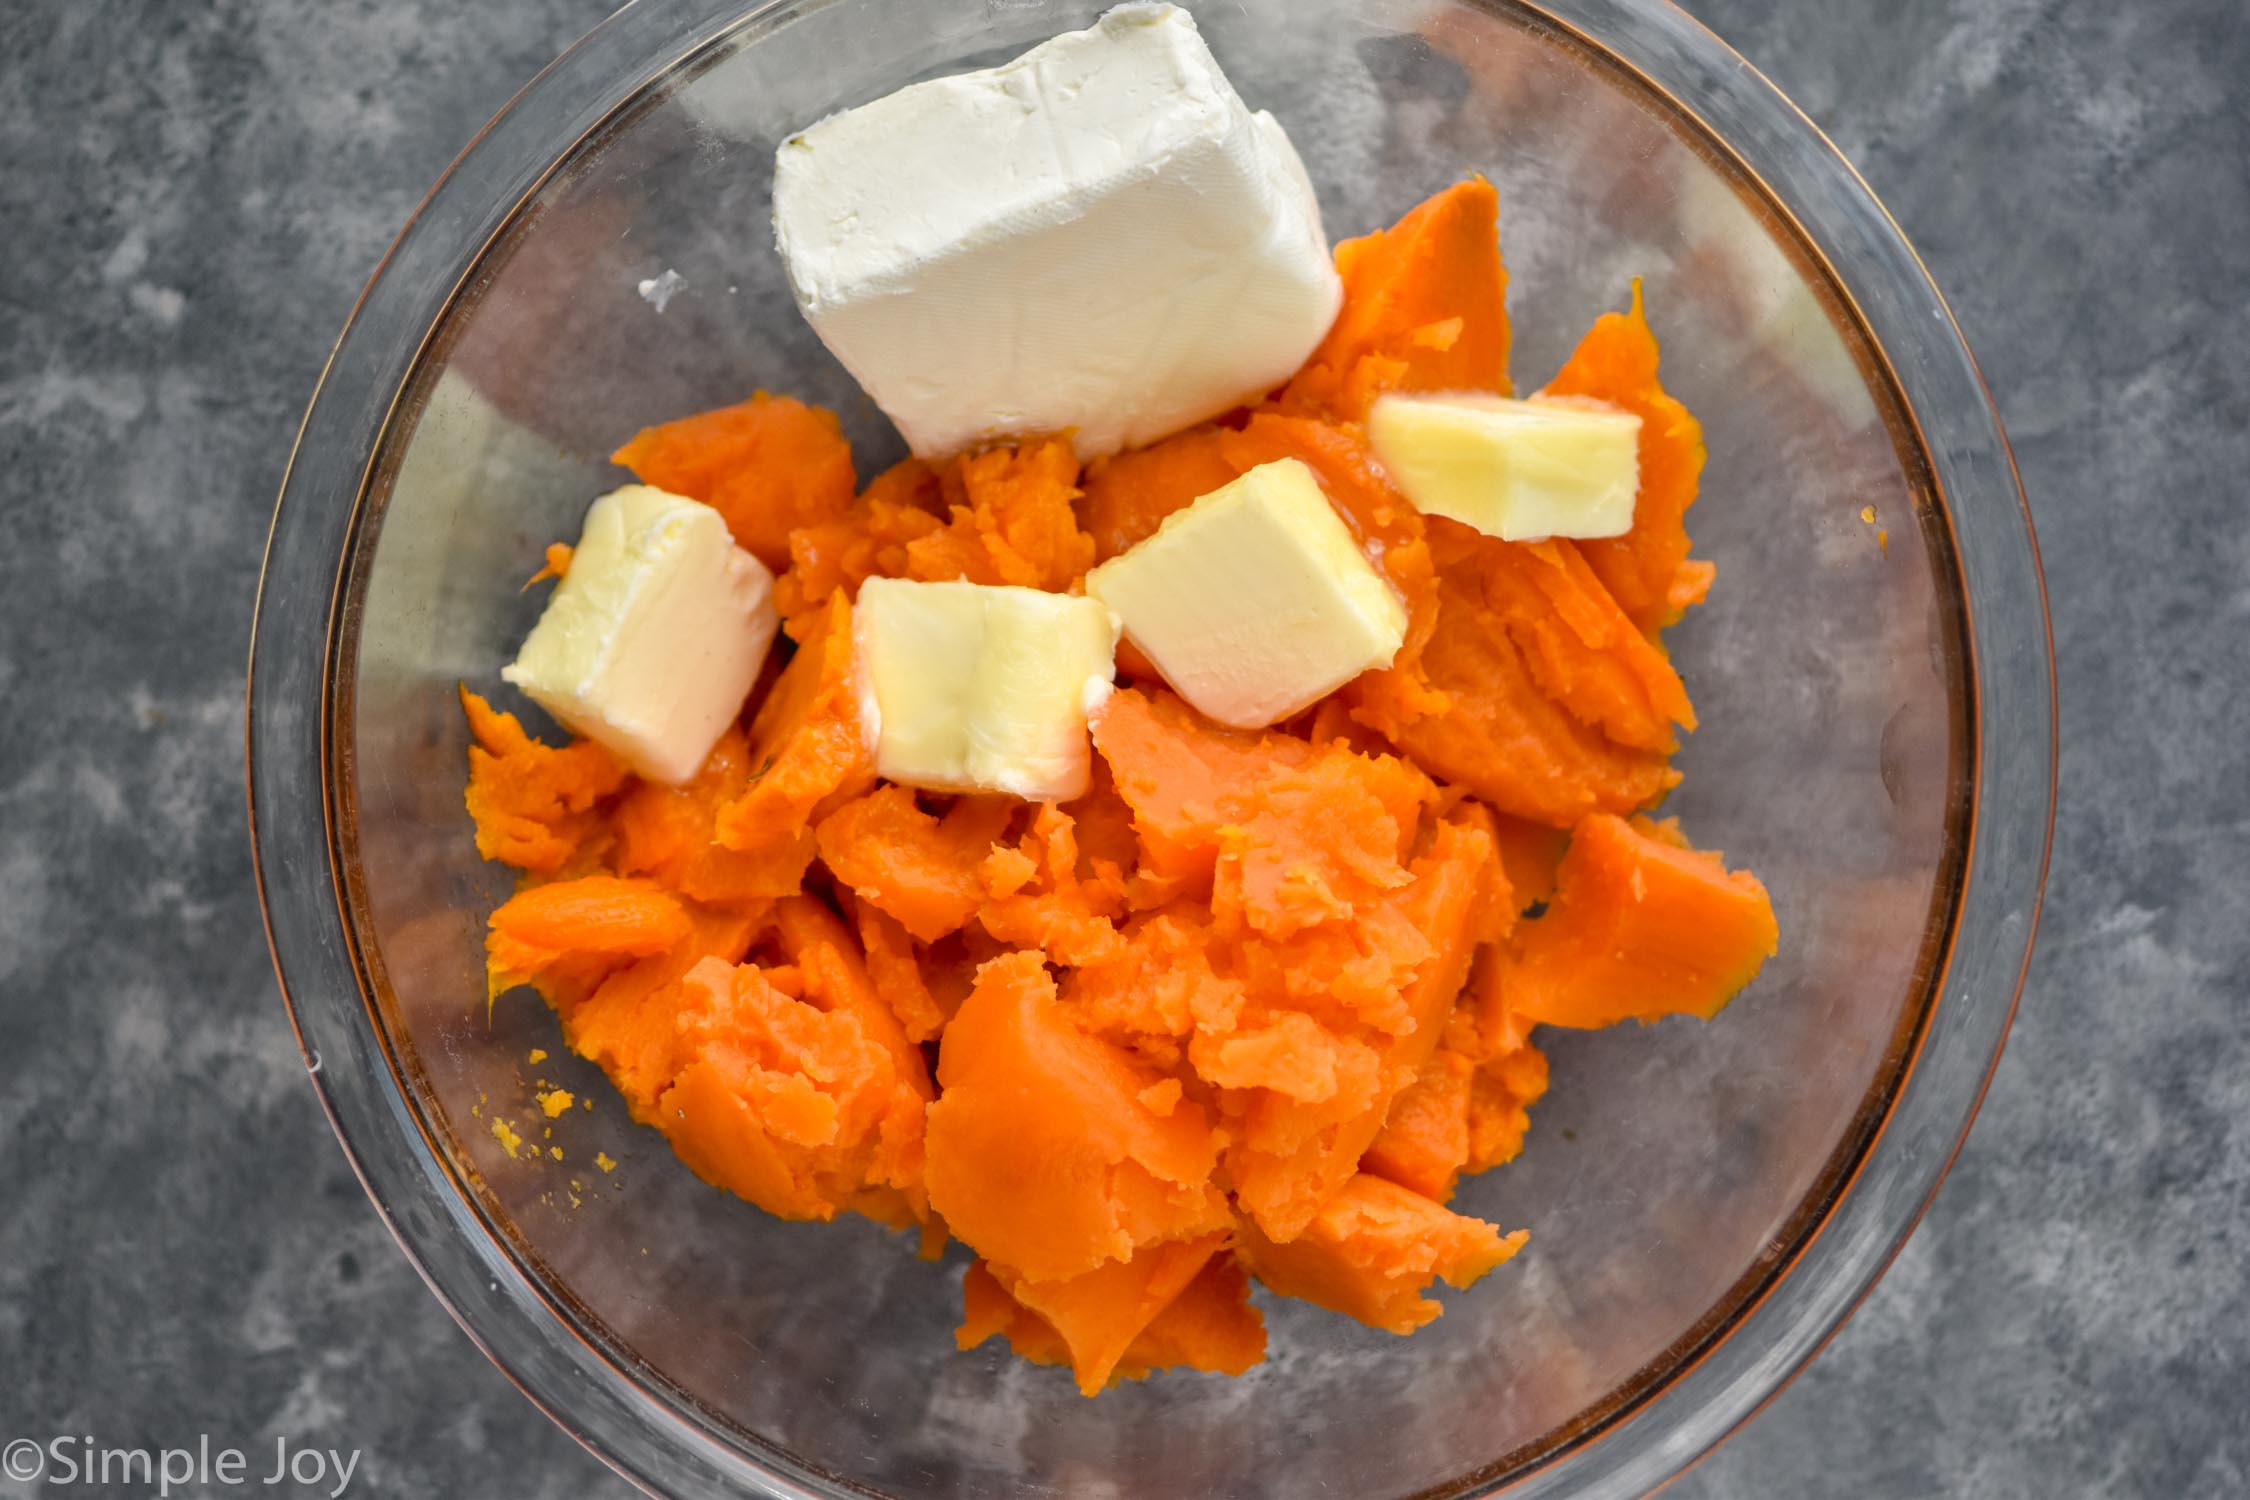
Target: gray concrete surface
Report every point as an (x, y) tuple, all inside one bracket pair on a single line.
[(190, 197)]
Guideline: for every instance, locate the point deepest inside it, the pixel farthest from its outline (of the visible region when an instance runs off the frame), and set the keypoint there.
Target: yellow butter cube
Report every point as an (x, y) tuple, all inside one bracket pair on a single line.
[(1256, 601), (970, 687), (1518, 470), (652, 640)]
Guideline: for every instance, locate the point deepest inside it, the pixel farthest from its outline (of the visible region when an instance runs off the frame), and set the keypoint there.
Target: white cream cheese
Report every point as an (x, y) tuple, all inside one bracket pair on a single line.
[(1099, 237)]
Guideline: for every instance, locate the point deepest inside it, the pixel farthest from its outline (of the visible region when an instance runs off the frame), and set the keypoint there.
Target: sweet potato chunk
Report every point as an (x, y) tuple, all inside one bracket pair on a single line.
[(671, 835), (769, 465), (629, 1023), (834, 976), (1647, 570), (899, 506), (1129, 494), (597, 920), (808, 751), (1530, 853), (1372, 1251), (1582, 650), (1425, 308), (1043, 1155), (1424, 1142), (1038, 896), (807, 1104), (1101, 1312), (1288, 1158), (1503, 738), (779, 1101), (1469, 1108), (1011, 521), (536, 806), (1207, 1325), (922, 871), (1639, 928), (895, 969)]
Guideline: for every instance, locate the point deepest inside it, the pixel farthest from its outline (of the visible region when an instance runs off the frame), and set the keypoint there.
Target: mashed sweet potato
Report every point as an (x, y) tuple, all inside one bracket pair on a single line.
[(1255, 1003)]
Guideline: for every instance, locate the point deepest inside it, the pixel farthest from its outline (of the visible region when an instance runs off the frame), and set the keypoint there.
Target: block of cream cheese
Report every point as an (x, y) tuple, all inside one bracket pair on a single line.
[(972, 687), (1255, 601), (1518, 470), (652, 640), (1099, 237)]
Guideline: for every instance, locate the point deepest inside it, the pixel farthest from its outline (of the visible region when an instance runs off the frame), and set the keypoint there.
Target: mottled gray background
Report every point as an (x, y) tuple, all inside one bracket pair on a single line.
[(191, 193)]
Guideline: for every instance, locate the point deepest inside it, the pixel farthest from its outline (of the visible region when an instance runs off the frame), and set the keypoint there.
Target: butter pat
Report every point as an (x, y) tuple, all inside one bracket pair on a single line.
[(1522, 471), (652, 640), (1097, 237), (1255, 601), (969, 687)]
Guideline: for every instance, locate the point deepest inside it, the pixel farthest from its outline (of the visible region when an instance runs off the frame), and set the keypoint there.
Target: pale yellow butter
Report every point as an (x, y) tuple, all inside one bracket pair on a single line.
[(1256, 601), (1518, 470), (653, 638), (971, 687)]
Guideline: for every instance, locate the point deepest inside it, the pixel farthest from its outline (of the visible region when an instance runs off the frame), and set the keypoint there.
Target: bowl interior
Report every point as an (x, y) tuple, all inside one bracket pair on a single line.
[(1672, 1169)]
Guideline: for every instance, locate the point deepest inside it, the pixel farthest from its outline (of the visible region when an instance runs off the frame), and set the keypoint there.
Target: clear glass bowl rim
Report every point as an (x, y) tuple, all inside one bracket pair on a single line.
[(1742, 1364)]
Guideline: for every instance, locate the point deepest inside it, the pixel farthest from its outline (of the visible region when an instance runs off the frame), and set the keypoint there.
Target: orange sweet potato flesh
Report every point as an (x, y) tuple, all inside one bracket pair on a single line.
[(1501, 1093), (1372, 1251), (987, 1310), (1099, 1313), (1647, 570), (1042, 895), (594, 917), (794, 1103), (808, 1099), (1530, 853), (1006, 515), (1424, 1142), (835, 977), (1639, 927), (899, 506), (1469, 1108), (1209, 1324), (1042, 1154), (1290, 1159), (894, 968), (922, 871), (1254, 1002), (769, 465), (1425, 308), (557, 564), (1503, 737), (1176, 772), (1582, 650), (629, 1023), (671, 835), (1318, 983), (1010, 520), (807, 750), (536, 807), (1129, 494)]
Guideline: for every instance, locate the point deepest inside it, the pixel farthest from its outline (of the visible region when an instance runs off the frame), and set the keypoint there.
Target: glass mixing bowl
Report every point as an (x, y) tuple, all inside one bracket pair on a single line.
[(1707, 1202)]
